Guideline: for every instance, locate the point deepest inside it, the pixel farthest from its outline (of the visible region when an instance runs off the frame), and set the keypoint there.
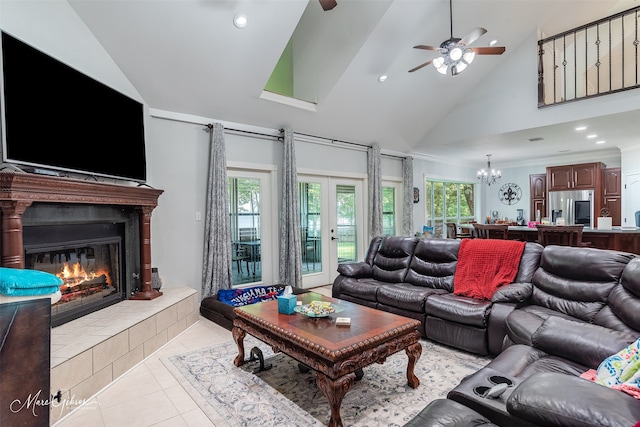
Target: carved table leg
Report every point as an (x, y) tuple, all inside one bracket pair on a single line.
[(335, 391), (238, 337), (414, 351)]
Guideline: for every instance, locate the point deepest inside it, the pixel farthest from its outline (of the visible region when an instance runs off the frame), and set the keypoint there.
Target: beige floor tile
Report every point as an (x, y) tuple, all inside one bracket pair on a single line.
[(197, 418), (148, 394), (143, 411)]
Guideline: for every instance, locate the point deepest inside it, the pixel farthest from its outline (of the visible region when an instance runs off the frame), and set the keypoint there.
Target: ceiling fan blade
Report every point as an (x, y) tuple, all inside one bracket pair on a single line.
[(420, 66), (421, 46), (488, 50), (328, 4), (474, 35)]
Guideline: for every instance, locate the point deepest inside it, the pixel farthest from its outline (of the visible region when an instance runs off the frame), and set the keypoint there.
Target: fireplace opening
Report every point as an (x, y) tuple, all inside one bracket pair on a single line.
[(89, 260)]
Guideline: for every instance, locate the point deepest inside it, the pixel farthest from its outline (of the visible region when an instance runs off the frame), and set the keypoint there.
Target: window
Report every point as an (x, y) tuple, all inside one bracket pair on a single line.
[(389, 211), (448, 201)]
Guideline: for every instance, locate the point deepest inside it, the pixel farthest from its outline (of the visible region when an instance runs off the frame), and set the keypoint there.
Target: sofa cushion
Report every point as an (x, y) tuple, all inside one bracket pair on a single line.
[(552, 399), (434, 263), (393, 258), (448, 413), (405, 296), (484, 265), (459, 309), (577, 281), (364, 289), (622, 312)]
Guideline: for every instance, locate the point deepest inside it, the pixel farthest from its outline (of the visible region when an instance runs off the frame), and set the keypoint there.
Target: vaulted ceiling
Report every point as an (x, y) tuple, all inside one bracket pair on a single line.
[(187, 57)]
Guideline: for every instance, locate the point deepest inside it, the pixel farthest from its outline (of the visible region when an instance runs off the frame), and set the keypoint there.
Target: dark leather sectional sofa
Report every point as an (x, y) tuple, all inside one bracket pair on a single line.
[(568, 309)]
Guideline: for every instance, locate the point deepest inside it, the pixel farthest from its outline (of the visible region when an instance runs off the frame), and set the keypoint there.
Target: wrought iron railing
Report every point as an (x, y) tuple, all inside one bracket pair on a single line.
[(595, 59)]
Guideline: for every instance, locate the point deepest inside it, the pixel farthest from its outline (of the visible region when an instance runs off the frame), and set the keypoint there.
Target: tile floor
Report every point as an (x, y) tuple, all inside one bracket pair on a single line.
[(148, 394)]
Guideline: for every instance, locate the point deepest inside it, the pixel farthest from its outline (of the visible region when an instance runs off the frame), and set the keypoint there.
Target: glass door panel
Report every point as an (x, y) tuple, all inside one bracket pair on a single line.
[(247, 209), (310, 203), (346, 220)]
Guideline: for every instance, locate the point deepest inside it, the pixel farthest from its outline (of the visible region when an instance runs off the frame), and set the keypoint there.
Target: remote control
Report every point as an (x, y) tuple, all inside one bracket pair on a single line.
[(496, 391)]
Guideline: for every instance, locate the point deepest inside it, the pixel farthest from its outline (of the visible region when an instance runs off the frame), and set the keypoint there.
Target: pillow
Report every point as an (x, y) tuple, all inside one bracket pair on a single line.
[(244, 296), (19, 282)]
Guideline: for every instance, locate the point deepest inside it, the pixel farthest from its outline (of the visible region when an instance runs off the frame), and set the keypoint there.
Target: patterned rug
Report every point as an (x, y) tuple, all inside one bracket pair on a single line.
[(282, 396)]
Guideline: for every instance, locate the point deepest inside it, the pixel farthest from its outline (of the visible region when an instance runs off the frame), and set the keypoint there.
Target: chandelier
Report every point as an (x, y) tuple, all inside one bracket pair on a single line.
[(488, 176)]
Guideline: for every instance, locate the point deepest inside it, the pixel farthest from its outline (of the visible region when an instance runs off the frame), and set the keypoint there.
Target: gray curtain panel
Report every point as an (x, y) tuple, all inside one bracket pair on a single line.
[(290, 246), (216, 268), (407, 188), (375, 190)]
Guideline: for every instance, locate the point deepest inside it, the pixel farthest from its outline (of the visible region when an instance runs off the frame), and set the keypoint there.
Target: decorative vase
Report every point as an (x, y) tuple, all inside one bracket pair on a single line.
[(156, 280)]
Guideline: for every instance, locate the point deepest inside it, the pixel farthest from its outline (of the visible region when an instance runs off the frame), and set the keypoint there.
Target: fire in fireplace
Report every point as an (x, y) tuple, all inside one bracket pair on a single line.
[(89, 260)]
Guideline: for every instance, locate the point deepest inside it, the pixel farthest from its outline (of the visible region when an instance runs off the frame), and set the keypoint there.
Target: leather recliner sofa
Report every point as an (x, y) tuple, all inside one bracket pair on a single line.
[(582, 306), (413, 277)]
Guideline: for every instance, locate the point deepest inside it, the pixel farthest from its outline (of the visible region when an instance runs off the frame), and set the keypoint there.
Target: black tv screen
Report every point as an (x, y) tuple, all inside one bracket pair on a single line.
[(57, 118)]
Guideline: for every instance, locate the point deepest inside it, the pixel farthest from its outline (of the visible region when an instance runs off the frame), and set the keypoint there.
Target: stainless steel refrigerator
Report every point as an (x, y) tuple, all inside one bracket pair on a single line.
[(575, 206)]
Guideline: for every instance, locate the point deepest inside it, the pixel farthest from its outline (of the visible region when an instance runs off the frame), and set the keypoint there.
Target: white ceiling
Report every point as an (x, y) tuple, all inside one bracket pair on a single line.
[(187, 57)]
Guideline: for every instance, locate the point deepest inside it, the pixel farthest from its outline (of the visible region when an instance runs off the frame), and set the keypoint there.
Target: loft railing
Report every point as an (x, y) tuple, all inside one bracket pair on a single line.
[(595, 59)]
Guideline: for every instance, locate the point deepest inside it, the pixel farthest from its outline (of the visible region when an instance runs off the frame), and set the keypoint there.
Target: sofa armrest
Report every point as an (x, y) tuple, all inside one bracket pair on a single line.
[(356, 270), (513, 293), (554, 399)]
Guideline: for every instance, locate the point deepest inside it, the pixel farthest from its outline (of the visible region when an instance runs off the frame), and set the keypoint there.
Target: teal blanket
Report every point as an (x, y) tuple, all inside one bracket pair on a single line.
[(15, 282)]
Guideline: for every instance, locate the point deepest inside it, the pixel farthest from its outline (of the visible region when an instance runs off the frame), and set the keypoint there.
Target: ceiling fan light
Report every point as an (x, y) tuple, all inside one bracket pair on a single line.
[(468, 56), (455, 54), (440, 65), (460, 67)]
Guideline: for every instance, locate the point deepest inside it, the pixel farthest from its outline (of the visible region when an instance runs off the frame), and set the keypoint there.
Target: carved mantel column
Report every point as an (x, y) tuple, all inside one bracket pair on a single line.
[(12, 243), (146, 290)]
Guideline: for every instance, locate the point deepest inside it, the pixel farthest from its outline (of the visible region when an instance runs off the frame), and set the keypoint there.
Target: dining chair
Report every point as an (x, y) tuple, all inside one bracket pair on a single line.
[(452, 232), (563, 235), (491, 231)]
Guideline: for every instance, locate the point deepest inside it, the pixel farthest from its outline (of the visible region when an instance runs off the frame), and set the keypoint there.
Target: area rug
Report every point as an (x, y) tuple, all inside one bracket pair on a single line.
[(283, 396)]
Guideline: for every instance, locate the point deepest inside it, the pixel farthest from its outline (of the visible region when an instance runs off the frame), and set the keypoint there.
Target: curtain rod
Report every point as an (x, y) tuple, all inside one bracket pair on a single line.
[(345, 142), (332, 140)]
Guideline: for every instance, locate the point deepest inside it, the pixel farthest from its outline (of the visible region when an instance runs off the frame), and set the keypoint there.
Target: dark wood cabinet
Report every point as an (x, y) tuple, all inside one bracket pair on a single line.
[(611, 182), (538, 194), (573, 177), (25, 359), (612, 193)]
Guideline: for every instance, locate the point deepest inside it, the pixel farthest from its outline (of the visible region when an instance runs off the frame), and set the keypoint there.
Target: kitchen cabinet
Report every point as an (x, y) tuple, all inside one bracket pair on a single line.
[(583, 176), (538, 194), (612, 193)]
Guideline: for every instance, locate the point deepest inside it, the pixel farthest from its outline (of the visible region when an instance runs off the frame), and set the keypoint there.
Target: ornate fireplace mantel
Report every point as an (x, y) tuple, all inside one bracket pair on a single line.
[(19, 190)]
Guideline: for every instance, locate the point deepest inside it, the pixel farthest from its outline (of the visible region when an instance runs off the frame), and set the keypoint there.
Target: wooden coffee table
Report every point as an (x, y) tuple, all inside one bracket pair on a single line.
[(334, 353)]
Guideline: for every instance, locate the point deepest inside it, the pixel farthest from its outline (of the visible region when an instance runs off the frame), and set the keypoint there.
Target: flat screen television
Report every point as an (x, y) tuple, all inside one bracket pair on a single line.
[(55, 118)]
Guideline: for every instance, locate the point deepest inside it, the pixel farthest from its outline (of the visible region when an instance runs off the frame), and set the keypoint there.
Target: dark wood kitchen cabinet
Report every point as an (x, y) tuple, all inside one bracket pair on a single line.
[(574, 177), (612, 193), (538, 194)]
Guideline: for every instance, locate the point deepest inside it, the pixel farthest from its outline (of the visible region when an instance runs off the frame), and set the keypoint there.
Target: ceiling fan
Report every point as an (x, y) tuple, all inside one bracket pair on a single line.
[(456, 53), (328, 4)]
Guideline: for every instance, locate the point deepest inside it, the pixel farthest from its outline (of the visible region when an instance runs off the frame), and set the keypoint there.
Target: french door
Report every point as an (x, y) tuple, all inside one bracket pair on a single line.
[(251, 220), (332, 226)]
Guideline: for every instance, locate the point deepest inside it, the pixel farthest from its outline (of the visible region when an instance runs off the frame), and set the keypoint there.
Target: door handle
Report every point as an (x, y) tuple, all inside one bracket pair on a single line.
[(334, 238)]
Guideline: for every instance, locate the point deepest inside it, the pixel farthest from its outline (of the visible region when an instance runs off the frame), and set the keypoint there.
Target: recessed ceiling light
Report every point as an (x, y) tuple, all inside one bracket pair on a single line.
[(601, 142), (581, 128), (593, 135), (383, 78), (240, 21), (493, 42)]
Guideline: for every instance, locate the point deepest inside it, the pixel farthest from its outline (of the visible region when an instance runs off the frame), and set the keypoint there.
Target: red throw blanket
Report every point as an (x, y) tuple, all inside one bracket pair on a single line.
[(484, 265)]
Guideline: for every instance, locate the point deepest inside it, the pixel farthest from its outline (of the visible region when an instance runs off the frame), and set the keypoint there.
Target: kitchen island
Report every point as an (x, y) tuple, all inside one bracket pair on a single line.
[(625, 239)]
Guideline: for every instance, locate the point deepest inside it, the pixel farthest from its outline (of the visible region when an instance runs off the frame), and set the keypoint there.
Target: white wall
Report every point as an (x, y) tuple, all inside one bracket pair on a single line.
[(177, 151)]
